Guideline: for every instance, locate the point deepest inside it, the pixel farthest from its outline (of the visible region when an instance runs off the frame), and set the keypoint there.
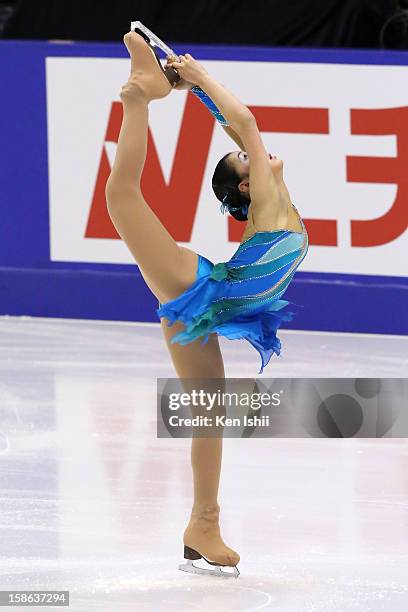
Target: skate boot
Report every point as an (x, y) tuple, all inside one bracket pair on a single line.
[(154, 41), (202, 540)]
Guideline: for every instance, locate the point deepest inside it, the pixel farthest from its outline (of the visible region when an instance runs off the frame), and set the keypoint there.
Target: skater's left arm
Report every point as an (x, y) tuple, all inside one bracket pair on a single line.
[(263, 186), (183, 84), (234, 136), (237, 115)]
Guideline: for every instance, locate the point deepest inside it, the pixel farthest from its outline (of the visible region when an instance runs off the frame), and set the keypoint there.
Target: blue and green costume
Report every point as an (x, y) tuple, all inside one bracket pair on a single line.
[(241, 298)]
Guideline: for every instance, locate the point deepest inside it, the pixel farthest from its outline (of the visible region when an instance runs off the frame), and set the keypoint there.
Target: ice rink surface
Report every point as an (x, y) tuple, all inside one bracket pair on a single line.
[(91, 501)]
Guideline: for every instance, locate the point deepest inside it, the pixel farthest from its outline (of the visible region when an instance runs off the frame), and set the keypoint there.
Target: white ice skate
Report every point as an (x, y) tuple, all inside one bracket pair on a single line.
[(217, 570)]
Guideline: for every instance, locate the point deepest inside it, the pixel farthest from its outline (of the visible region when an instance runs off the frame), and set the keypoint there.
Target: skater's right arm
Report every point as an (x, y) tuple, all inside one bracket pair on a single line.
[(263, 186)]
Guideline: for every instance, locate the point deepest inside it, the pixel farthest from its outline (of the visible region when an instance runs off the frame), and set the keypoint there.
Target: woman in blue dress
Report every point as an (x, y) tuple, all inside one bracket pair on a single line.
[(199, 301)]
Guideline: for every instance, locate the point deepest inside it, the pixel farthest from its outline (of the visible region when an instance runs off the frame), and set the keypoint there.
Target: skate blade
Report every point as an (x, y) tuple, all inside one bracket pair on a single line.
[(153, 39), (217, 570)]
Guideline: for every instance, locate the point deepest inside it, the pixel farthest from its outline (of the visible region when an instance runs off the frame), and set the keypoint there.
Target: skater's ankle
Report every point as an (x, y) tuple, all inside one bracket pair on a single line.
[(205, 508), (205, 512), (132, 97)]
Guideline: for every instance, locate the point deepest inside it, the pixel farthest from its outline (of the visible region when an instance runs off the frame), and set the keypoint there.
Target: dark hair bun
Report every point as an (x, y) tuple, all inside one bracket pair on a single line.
[(225, 183)]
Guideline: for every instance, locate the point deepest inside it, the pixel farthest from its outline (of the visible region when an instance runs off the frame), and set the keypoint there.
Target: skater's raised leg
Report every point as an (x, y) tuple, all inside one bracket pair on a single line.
[(167, 268)]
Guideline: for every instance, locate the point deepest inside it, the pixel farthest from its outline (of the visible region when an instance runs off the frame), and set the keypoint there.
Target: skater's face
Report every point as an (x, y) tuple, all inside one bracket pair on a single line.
[(241, 163)]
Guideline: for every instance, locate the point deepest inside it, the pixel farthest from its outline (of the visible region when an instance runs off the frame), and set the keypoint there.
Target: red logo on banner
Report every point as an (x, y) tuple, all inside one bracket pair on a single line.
[(394, 222), (300, 121), (175, 203)]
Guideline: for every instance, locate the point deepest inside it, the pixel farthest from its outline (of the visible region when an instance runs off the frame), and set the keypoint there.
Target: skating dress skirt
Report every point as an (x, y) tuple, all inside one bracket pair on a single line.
[(241, 298)]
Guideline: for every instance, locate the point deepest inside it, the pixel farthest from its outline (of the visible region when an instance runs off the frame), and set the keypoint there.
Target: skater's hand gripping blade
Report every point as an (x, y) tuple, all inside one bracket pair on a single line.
[(217, 570)]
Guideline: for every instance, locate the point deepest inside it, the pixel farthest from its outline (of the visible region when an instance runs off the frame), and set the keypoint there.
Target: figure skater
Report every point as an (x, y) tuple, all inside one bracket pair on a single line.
[(198, 300)]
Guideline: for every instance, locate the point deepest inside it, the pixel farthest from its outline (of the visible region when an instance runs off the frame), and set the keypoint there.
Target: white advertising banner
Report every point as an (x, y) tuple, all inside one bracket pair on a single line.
[(341, 130)]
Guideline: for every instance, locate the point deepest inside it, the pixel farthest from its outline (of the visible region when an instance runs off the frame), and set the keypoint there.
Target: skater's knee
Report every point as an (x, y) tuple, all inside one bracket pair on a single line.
[(121, 191), (111, 190)]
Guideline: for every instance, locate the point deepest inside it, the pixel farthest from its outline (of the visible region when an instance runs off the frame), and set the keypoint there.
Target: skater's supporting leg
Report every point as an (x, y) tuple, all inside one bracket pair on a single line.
[(202, 362)]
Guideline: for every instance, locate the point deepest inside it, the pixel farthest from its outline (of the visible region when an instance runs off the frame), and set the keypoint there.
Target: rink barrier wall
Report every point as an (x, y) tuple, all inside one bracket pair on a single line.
[(31, 284)]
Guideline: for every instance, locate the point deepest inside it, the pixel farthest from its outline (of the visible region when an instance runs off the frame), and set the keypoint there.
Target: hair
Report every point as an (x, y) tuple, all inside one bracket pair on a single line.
[(225, 183)]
